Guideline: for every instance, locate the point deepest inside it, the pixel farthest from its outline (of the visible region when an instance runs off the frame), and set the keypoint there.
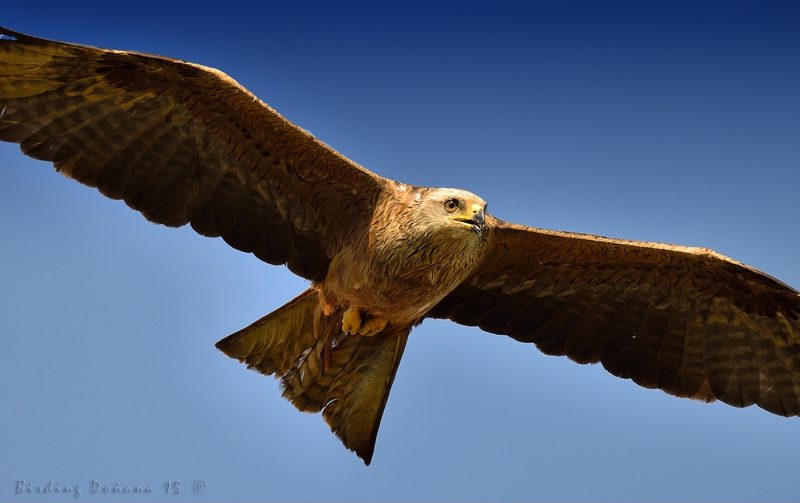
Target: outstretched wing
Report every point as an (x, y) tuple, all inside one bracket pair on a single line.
[(183, 143), (686, 320)]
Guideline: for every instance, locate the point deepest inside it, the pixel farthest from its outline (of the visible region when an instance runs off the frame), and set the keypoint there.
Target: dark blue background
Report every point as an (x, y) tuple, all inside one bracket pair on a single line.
[(665, 121)]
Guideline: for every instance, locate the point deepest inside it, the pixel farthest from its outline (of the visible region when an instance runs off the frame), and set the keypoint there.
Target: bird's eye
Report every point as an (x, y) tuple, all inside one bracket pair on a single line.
[(451, 205)]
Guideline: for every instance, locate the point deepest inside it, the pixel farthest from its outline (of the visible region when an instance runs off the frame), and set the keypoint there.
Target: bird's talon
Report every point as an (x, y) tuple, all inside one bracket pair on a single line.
[(372, 326), (354, 322), (351, 320)]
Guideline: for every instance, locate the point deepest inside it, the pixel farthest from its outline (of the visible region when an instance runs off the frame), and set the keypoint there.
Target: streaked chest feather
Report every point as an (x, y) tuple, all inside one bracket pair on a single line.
[(403, 266)]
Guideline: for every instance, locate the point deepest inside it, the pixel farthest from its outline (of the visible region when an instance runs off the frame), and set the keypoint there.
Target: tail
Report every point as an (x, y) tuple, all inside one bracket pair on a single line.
[(347, 377)]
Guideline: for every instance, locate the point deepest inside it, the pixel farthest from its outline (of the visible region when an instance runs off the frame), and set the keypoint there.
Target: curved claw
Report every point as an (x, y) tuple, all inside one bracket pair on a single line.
[(373, 325), (354, 322), (351, 320)]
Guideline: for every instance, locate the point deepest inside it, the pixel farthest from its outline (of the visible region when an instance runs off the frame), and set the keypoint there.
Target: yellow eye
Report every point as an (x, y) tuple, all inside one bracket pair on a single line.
[(451, 205)]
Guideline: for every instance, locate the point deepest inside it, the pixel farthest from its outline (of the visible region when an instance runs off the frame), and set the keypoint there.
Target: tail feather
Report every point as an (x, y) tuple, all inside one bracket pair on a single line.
[(273, 344), (358, 395), (346, 377)]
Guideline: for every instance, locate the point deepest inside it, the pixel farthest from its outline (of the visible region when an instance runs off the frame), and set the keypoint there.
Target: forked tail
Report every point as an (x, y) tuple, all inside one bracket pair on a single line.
[(348, 377)]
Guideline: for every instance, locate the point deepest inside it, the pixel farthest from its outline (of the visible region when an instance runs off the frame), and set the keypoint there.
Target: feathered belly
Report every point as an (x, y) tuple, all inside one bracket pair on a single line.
[(401, 286)]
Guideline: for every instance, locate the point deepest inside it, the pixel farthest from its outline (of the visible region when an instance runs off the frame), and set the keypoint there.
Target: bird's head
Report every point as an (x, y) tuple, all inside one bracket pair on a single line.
[(454, 209)]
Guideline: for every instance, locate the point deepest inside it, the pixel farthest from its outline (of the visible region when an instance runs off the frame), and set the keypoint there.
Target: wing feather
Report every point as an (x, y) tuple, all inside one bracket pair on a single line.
[(183, 143), (686, 320)]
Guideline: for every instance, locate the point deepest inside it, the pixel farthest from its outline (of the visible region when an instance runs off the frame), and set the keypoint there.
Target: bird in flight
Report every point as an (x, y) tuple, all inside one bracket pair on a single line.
[(185, 144)]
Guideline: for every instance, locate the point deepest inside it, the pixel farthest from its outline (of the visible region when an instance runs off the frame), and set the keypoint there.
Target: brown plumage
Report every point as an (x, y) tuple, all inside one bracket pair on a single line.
[(183, 143)]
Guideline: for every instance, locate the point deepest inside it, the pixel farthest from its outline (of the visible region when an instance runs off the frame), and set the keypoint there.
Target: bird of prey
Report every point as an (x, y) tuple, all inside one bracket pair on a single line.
[(185, 144)]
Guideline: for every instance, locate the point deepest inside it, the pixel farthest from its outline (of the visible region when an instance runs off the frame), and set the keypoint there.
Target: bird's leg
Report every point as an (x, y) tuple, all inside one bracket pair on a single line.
[(373, 325), (354, 322), (351, 320)]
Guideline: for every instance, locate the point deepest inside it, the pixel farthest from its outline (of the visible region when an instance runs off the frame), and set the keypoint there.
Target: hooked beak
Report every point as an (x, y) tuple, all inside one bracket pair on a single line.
[(473, 218)]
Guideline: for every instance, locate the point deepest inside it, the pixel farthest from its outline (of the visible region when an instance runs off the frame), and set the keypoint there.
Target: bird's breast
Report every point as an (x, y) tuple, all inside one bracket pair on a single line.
[(401, 276)]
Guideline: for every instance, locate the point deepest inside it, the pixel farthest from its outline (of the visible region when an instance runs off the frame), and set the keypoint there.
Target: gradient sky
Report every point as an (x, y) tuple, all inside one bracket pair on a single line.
[(666, 121)]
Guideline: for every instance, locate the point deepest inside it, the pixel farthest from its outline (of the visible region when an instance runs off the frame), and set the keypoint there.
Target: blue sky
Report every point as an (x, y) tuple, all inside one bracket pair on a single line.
[(666, 121)]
